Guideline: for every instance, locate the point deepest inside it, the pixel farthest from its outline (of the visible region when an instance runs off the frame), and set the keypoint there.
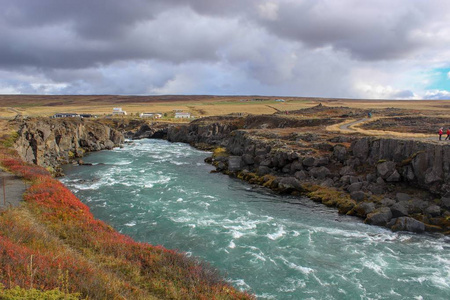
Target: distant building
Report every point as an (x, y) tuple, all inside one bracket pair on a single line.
[(65, 115), (280, 100), (87, 116), (182, 115), (119, 111), (151, 115)]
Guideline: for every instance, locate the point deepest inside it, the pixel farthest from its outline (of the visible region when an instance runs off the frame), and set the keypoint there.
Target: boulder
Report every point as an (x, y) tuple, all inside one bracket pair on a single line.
[(301, 175), (407, 224), (263, 170), (380, 216), (361, 148), (387, 202), (289, 184), (445, 202), (357, 195), (363, 209), (296, 166), (394, 177), (309, 161), (433, 210), (347, 170), (234, 163), (320, 172), (340, 152), (354, 187), (399, 209), (417, 206), (248, 159), (321, 161), (385, 169), (402, 197), (327, 182), (377, 189)]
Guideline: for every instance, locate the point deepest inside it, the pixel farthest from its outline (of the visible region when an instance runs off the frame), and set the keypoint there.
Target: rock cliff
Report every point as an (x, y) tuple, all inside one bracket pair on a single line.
[(398, 183), (52, 142)]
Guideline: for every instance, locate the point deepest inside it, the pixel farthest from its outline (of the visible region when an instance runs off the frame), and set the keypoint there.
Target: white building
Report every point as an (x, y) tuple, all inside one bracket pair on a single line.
[(182, 115), (151, 115), (119, 111)]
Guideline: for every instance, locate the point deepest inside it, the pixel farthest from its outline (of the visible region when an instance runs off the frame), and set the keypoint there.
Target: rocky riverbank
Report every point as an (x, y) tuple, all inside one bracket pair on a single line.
[(52, 142), (397, 183)]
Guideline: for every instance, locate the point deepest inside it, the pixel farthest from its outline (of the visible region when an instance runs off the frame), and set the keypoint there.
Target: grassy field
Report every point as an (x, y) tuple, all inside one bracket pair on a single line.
[(199, 106)]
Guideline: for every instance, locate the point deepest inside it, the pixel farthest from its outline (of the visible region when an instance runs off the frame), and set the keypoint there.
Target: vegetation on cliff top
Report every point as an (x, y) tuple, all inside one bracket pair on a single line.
[(53, 246)]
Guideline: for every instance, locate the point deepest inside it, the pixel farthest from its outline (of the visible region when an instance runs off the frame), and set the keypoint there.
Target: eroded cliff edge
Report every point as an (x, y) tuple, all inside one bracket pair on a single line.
[(402, 184), (52, 142)]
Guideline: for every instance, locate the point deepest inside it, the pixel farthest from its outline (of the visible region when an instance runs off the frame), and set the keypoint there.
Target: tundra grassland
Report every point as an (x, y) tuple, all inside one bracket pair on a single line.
[(198, 106)]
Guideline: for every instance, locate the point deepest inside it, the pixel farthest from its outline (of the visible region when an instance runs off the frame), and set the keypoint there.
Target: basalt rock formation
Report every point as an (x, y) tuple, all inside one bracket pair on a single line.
[(52, 142), (398, 183)]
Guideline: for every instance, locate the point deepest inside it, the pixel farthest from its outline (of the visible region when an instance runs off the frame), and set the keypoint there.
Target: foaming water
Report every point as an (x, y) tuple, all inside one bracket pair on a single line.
[(276, 247)]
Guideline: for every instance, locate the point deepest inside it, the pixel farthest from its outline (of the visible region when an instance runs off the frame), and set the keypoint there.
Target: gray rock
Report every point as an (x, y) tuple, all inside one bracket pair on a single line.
[(399, 209), (376, 189), (354, 179), (266, 162), (320, 172), (340, 152), (380, 181), (417, 206), (358, 195), (402, 197), (347, 170), (364, 208), (309, 161), (286, 169), (301, 175), (445, 202), (289, 184), (321, 161), (387, 202), (380, 216), (407, 224), (296, 166), (248, 159), (263, 170), (394, 177), (433, 210), (361, 148), (385, 169), (355, 187), (345, 179), (371, 177), (328, 182), (234, 163)]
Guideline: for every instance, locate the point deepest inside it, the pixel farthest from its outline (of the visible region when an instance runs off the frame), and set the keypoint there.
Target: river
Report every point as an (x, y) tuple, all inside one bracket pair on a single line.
[(276, 247)]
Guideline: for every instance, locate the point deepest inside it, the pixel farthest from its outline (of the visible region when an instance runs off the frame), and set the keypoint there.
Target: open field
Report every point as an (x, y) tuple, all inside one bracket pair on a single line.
[(199, 106)]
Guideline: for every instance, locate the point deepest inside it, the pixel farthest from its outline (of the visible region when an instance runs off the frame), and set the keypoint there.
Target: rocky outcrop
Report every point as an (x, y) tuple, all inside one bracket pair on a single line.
[(52, 142), (380, 177)]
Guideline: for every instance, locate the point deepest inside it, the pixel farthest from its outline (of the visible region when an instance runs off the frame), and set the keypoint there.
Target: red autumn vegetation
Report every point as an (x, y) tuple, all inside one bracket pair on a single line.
[(53, 242)]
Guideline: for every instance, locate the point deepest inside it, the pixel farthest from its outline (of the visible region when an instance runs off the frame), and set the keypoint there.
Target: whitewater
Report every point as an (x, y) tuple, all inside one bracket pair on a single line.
[(276, 247)]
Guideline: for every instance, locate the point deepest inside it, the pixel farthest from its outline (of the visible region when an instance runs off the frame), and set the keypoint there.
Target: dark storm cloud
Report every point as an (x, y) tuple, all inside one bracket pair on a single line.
[(298, 46)]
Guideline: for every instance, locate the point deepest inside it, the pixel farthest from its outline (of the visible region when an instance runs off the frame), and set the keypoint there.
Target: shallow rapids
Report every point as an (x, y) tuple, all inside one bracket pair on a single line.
[(275, 247)]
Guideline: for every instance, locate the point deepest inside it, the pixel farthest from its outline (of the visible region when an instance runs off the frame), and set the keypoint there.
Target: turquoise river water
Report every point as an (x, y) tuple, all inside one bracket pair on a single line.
[(273, 246)]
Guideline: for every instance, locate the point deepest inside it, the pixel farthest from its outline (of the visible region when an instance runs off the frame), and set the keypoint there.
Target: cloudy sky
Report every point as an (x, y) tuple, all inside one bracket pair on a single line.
[(322, 48)]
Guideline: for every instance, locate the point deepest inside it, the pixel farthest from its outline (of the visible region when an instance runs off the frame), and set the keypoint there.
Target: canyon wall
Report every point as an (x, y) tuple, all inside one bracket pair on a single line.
[(52, 142)]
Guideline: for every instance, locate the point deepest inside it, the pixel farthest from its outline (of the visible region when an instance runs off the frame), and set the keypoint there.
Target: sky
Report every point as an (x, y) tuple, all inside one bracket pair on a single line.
[(363, 49)]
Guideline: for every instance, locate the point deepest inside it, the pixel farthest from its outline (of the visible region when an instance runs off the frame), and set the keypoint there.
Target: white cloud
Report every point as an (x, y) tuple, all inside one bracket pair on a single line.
[(268, 10), (437, 95)]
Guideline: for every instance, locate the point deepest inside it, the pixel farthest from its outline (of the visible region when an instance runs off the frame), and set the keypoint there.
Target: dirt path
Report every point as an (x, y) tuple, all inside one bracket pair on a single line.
[(11, 190), (346, 127), (349, 127)]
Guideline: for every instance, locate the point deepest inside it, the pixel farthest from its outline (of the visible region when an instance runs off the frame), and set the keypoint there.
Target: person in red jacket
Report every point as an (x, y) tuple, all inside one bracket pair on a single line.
[(448, 134), (441, 131)]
